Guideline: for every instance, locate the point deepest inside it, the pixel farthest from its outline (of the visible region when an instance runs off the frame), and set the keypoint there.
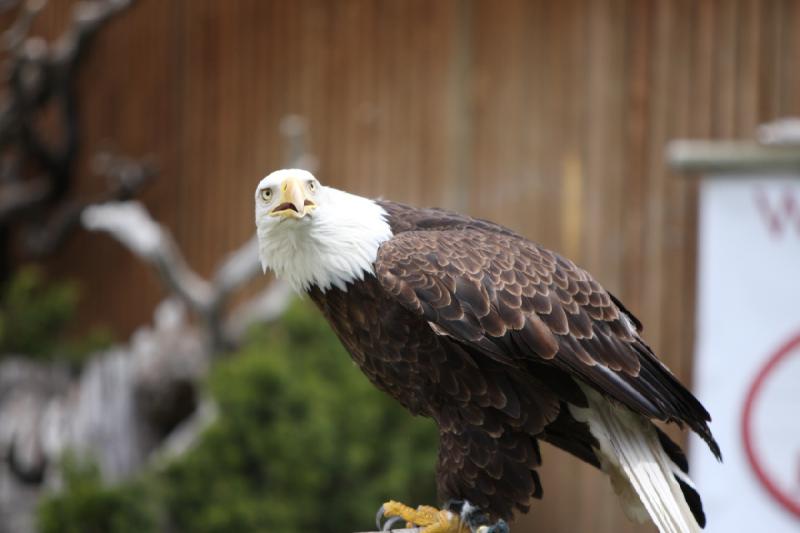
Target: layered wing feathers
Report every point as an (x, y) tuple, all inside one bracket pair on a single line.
[(514, 301)]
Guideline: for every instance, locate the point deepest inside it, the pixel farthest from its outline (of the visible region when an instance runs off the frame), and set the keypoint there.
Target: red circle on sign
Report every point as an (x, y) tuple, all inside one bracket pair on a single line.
[(758, 384)]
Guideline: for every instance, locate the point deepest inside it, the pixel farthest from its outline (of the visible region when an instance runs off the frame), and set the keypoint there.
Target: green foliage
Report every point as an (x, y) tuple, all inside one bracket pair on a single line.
[(77, 350), (87, 506), (34, 316), (303, 443)]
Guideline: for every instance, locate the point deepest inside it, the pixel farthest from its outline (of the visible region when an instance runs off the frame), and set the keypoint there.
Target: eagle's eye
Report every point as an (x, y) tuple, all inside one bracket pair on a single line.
[(312, 186), (266, 194)]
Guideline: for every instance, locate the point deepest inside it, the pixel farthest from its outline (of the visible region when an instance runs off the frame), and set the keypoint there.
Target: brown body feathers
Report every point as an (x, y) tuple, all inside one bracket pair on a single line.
[(490, 334)]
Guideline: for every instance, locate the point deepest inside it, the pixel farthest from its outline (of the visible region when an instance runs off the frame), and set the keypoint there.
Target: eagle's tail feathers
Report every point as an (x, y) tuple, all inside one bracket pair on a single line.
[(649, 483), (692, 498)]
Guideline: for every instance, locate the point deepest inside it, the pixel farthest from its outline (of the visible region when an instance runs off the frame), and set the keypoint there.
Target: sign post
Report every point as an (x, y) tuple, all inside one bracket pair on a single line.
[(747, 360)]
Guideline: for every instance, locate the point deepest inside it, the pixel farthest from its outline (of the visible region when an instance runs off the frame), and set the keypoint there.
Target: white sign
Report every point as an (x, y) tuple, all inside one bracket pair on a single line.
[(747, 369)]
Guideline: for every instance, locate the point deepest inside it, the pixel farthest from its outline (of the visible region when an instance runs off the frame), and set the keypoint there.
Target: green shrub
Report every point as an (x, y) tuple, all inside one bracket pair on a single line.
[(34, 317), (87, 506), (303, 443)]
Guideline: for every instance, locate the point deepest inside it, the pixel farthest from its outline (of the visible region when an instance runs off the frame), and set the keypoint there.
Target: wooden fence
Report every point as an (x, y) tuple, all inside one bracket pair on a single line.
[(548, 116)]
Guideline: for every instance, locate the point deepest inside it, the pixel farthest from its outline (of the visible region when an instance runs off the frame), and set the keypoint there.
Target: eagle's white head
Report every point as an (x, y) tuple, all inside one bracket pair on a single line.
[(309, 234)]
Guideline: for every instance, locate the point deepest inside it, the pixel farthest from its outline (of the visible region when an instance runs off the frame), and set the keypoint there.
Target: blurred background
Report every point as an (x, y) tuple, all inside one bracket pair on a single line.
[(151, 381)]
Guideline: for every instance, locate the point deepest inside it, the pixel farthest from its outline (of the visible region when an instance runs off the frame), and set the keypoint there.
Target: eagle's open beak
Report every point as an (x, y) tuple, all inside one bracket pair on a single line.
[(293, 203)]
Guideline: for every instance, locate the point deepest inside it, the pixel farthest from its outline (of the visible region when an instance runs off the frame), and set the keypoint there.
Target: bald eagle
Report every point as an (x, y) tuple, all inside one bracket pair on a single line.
[(500, 341)]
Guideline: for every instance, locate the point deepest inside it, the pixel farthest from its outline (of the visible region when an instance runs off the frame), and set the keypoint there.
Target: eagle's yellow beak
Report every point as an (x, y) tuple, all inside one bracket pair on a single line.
[(294, 203)]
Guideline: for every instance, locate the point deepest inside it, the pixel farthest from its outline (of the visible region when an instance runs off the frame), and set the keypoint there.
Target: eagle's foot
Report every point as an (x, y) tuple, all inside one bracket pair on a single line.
[(457, 517), (430, 519)]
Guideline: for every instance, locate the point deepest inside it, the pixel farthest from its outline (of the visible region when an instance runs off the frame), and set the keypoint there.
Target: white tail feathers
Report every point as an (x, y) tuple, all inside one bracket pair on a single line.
[(640, 470)]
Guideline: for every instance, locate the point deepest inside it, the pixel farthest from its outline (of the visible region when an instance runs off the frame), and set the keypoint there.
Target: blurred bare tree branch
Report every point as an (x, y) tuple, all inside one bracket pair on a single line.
[(132, 225), (138, 404), (37, 176)]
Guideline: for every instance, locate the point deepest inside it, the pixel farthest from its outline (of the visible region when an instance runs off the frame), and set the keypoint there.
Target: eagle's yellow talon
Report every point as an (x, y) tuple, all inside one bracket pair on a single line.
[(431, 519)]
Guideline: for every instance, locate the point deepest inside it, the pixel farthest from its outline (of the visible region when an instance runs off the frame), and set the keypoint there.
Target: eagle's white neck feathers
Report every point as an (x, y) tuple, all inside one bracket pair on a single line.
[(337, 244)]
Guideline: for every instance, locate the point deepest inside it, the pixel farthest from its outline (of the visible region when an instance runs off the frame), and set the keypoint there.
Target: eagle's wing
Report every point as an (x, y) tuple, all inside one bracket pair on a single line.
[(513, 299)]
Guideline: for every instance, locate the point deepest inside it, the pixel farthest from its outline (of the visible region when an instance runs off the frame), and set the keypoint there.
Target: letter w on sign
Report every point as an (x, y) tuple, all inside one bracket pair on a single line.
[(779, 209)]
